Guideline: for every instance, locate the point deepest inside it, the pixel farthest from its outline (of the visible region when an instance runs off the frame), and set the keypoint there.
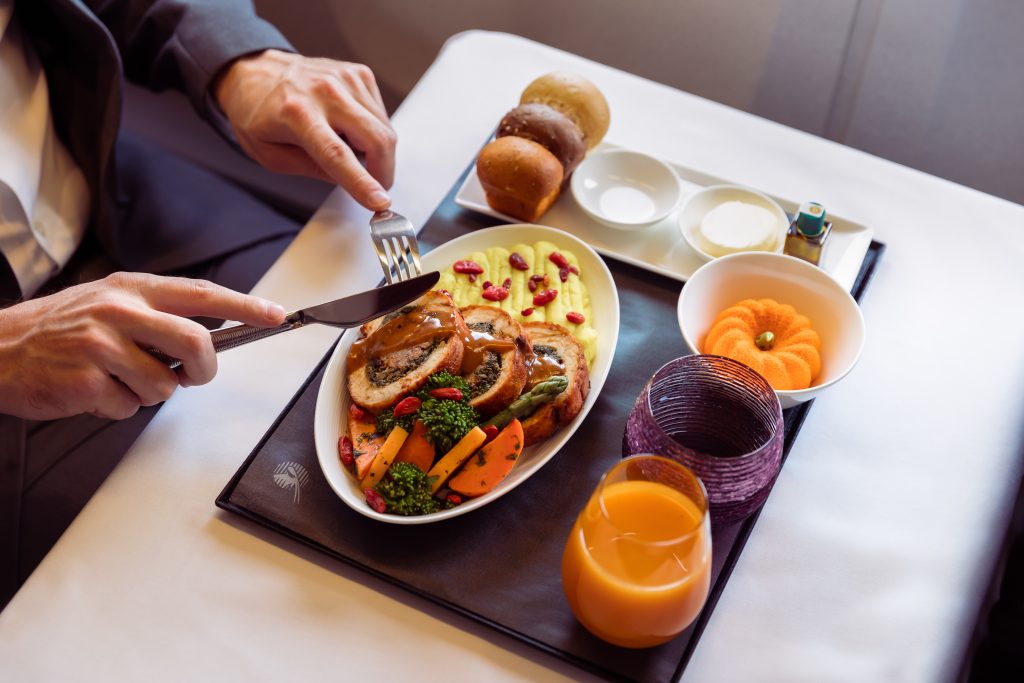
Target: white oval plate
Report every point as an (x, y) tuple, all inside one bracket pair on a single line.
[(329, 422)]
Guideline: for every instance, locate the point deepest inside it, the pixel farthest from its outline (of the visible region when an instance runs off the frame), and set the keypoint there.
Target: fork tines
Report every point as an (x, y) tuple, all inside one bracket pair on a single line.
[(394, 238), (403, 259)]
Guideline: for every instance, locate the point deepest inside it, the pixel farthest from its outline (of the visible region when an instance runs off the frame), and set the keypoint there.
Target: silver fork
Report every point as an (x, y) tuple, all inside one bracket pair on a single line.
[(394, 238)]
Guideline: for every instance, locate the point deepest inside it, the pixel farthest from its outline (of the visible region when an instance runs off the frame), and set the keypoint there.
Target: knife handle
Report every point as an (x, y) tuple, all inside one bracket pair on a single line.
[(236, 335)]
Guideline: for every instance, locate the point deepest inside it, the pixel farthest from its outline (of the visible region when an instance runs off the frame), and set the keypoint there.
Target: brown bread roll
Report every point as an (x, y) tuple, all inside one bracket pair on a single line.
[(520, 178), (549, 128), (577, 98)]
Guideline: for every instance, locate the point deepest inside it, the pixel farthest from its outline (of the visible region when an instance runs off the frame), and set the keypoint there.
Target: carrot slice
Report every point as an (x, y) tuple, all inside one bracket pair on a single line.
[(417, 449), (459, 453), (366, 442), (491, 464), (385, 456)]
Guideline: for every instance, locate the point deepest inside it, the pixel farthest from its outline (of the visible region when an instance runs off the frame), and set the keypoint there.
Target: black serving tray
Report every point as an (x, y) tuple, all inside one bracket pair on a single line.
[(513, 581)]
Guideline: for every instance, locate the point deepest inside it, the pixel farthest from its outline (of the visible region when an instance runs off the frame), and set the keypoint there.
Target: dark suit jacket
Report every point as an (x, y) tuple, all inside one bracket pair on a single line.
[(88, 48)]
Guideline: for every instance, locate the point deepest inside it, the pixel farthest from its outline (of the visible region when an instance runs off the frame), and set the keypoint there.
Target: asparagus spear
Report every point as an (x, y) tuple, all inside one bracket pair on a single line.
[(528, 402)]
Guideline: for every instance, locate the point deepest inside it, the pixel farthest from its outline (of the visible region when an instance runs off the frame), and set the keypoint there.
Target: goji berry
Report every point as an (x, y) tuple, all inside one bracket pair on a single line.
[(472, 277), (558, 259), (345, 451), (573, 269), (576, 318), (507, 284), (563, 273), (526, 312), (495, 293), (490, 431), (467, 266), (407, 406), (544, 297), (454, 498), (532, 285), (488, 284), (375, 500), (447, 393), (517, 261), (357, 413)]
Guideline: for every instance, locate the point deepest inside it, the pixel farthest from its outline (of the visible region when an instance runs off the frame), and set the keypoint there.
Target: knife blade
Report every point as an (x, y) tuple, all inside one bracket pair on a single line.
[(349, 311), (365, 306)]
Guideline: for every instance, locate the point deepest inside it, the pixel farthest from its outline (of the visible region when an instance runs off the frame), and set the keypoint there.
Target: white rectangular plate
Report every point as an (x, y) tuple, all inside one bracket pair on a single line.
[(660, 247)]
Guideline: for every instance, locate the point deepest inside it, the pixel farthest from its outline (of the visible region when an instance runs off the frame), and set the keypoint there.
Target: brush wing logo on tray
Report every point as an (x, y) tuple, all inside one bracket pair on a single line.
[(291, 475)]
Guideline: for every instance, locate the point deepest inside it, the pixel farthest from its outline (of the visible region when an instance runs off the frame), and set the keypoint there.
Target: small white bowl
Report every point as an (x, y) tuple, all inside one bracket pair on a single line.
[(833, 313), (700, 203), (625, 190)]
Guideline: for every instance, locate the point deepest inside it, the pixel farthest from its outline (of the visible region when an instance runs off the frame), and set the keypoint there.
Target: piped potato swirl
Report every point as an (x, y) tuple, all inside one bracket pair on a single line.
[(570, 306)]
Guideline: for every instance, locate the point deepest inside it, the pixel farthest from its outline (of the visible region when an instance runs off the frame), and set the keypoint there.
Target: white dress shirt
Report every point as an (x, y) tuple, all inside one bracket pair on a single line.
[(44, 199)]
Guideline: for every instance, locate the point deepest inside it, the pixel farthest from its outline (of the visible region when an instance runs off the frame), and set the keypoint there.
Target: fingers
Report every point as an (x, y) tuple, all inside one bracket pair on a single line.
[(112, 399), (337, 160), (150, 380), (363, 87), (360, 117), (179, 338), (128, 327), (161, 325), (189, 297)]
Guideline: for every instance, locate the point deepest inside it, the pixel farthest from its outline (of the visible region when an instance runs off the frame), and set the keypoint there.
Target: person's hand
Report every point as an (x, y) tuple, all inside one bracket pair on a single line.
[(305, 116), (81, 350)]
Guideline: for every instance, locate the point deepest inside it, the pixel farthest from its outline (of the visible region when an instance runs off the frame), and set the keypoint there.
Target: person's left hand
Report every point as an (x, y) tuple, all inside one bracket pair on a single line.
[(306, 116)]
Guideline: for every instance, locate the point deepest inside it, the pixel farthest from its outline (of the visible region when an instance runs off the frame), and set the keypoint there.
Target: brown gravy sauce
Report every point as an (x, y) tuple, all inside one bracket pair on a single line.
[(477, 344), (541, 367), (422, 325)]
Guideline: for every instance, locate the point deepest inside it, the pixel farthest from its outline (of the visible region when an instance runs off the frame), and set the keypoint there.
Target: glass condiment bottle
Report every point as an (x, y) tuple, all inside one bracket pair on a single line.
[(806, 236)]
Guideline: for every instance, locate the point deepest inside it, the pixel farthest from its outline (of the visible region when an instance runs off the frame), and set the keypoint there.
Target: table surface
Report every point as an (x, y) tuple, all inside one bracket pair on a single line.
[(868, 561)]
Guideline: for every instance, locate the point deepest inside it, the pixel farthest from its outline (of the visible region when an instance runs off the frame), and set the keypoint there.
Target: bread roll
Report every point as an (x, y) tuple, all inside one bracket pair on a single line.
[(549, 128), (577, 98), (397, 353), (519, 177)]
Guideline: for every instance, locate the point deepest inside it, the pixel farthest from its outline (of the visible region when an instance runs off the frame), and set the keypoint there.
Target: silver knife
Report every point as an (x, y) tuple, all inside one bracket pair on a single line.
[(347, 312)]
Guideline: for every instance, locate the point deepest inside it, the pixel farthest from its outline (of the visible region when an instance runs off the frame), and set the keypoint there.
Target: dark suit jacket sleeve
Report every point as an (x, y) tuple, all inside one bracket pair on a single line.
[(184, 44)]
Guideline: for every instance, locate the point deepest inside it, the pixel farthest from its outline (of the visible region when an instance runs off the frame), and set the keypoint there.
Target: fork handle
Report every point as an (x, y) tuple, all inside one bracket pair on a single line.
[(236, 335)]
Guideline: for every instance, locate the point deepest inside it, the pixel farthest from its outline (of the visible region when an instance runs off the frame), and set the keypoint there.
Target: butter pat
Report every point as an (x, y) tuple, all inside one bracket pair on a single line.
[(735, 226)]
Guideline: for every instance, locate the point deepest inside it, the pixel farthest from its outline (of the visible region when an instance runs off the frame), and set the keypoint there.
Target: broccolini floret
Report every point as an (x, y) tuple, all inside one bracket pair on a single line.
[(444, 380), (387, 421), (446, 421), (406, 491)]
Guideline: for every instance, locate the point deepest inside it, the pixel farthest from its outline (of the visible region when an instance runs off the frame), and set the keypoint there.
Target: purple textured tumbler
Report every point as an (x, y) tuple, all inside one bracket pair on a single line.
[(719, 418)]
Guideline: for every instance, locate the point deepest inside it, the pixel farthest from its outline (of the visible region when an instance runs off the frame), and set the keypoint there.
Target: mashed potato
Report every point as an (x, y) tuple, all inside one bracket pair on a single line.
[(572, 294)]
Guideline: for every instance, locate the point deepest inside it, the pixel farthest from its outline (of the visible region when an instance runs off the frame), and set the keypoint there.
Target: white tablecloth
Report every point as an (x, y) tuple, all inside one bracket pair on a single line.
[(867, 563)]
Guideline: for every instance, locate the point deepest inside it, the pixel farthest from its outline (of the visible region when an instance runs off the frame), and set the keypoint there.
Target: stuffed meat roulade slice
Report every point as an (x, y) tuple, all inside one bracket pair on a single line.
[(496, 358), (398, 352), (556, 352)]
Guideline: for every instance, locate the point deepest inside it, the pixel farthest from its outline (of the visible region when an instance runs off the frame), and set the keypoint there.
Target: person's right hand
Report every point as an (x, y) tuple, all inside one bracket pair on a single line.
[(81, 350)]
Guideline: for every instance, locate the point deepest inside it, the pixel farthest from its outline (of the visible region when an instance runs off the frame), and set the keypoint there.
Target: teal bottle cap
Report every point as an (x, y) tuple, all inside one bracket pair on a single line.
[(810, 220)]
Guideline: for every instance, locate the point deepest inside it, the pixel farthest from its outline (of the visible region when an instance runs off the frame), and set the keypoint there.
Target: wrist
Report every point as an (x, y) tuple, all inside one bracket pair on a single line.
[(10, 391), (229, 82)]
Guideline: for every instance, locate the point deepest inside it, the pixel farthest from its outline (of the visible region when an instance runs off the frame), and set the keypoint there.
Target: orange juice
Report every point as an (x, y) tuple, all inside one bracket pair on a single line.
[(636, 568)]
